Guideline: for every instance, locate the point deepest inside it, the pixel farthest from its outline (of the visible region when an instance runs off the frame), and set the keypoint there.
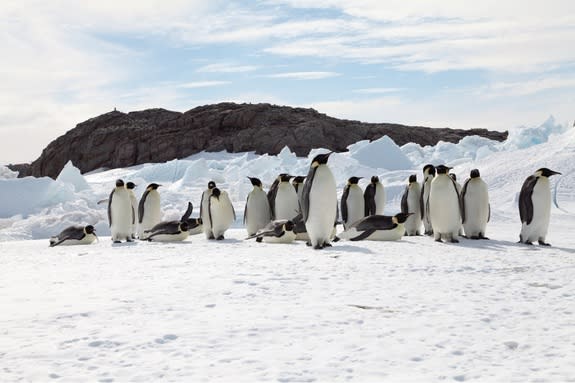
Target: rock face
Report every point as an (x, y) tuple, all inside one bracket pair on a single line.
[(117, 139)]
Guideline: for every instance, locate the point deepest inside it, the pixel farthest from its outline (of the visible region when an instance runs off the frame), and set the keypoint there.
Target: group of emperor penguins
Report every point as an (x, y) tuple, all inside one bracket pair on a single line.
[(309, 210)]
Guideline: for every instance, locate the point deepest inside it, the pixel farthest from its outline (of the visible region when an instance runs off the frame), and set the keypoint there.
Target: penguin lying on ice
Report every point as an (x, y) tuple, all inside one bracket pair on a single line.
[(168, 231), (280, 231), (75, 235), (195, 225), (377, 228)]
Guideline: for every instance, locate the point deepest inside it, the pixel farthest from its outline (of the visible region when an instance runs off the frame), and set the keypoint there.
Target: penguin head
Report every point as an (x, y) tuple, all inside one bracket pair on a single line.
[(453, 176), (284, 177), (474, 173), (298, 180), (184, 226), (320, 159), (255, 181), (412, 178), (211, 185), (442, 169), (288, 226), (216, 193), (374, 179), (429, 169), (89, 229), (130, 185), (353, 180), (119, 183), (153, 186), (545, 172), (400, 218)]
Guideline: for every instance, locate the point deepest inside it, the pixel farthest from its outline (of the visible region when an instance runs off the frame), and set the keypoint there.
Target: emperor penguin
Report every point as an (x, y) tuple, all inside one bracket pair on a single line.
[(75, 235), (281, 231), (352, 202), (168, 231), (120, 213), (319, 202), (475, 209), (535, 207), (410, 204), (194, 224), (428, 175), (377, 228), (282, 198), (374, 197), (297, 183), (131, 186), (204, 210), (221, 212), (149, 213), (257, 213), (444, 206)]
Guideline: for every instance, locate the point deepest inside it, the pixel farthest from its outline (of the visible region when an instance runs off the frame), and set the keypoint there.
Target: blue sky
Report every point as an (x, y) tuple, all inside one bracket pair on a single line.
[(492, 65)]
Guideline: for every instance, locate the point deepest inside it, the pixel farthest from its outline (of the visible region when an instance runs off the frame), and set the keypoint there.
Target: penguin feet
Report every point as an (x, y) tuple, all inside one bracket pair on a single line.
[(308, 243), (543, 243), (438, 240), (327, 244), (475, 237), (336, 239), (211, 236), (220, 238), (318, 247), (116, 241), (528, 243), (129, 239), (481, 236), (453, 240), (259, 239)]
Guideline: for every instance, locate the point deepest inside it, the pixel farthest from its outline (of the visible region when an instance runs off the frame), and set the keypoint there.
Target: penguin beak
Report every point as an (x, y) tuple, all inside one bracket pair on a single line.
[(554, 173)]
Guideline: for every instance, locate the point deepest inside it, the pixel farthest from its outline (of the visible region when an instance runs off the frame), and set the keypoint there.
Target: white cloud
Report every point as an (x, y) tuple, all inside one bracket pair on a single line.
[(201, 84), (227, 68), (526, 87), (304, 75), (377, 90)]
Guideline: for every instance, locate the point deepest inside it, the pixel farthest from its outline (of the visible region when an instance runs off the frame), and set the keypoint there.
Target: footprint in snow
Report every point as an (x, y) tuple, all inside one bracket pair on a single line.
[(166, 338)]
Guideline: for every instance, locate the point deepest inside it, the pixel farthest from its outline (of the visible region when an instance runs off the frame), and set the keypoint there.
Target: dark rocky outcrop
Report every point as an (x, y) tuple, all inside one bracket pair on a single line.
[(117, 139)]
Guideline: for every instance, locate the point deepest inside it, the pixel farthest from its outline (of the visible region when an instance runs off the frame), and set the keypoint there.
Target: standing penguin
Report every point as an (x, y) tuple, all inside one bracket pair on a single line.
[(257, 213), (131, 186), (75, 235), (282, 198), (221, 212), (204, 210), (297, 183), (319, 202), (374, 197), (352, 202), (475, 210), (428, 175), (149, 213), (120, 213), (444, 206), (410, 204), (535, 207)]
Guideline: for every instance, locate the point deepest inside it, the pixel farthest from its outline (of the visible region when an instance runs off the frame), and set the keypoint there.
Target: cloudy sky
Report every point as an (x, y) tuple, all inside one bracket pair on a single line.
[(449, 63)]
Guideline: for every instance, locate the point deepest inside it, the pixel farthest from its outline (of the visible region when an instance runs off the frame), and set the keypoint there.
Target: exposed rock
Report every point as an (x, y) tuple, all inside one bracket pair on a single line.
[(117, 139)]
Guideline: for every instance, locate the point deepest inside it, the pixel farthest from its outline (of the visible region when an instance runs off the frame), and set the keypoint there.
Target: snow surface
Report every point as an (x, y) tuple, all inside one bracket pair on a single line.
[(238, 310)]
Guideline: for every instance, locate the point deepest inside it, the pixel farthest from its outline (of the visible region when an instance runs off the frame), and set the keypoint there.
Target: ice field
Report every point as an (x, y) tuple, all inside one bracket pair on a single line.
[(236, 310)]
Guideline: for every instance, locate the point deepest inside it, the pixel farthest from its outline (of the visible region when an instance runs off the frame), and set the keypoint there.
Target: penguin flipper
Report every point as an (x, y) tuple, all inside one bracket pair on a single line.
[(246, 210), (344, 203), (305, 194), (272, 197), (60, 240), (141, 206), (110, 207), (404, 207), (421, 204), (525, 202), (369, 198), (363, 235), (188, 212), (462, 199)]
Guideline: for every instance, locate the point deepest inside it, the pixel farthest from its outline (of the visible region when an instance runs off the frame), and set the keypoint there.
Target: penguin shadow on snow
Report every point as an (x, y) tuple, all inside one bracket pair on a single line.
[(346, 248), (496, 245), (125, 244)]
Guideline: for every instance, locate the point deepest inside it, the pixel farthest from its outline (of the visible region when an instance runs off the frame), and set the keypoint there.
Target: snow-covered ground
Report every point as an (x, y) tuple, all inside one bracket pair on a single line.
[(236, 310)]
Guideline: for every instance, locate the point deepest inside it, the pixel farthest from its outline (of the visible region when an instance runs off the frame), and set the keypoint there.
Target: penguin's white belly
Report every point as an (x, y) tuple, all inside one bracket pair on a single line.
[(152, 213), (444, 207), (355, 205), (541, 198), (288, 237), (286, 202), (196, 230), (413, 223), (476, 208), (379, 235), (258, 210), (171, 237), (379, 199), (302, 237), (322, 207), (205, 214), (222, 215), (87, 240), (121, 213)]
